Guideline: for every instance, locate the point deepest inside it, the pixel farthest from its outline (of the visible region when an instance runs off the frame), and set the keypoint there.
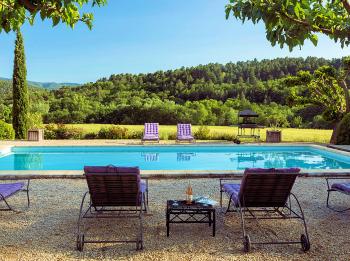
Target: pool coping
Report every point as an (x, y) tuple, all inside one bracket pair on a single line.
[(170, 174)]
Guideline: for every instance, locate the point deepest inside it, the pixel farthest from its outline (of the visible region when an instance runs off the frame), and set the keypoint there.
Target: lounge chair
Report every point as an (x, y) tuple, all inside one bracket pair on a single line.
[(265, 194), (184, 133), (114, 192), (150, 132), (342, 187), (8, 190)]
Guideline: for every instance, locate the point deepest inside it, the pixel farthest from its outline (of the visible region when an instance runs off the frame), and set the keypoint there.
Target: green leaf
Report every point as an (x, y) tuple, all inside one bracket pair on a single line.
[(297, 10), (314, 39)]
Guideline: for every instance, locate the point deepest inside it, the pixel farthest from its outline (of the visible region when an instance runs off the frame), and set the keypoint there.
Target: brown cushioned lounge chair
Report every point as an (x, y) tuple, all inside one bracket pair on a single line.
[(114, 192), (265, 194)]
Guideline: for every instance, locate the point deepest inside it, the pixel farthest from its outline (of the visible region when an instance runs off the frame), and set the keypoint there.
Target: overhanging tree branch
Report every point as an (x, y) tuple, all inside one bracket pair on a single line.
[(312, 27), (28, 5), (346, 5)]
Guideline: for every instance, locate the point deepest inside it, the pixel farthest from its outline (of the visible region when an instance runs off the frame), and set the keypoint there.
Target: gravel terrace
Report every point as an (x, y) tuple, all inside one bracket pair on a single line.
[(46, 231)]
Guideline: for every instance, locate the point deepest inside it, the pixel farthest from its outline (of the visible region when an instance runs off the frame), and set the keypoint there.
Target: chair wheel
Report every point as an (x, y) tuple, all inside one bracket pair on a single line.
[(139, 245), (305, 244), (246, 243), (80, 242)]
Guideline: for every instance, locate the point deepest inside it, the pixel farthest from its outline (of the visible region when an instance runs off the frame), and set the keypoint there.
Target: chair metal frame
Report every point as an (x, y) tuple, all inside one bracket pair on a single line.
[(287, 212), (8, 206), (111, 212), (330, 189)]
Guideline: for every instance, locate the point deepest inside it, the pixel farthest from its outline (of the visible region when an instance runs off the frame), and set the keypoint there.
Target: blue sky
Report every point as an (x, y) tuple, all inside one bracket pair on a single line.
[(145, 36)]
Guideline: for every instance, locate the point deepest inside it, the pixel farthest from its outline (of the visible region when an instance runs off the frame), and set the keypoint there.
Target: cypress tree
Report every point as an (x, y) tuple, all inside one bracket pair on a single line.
[(20, 91)]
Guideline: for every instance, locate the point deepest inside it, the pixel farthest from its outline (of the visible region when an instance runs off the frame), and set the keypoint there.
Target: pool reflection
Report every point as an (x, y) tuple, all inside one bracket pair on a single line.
[(185, 156), (150, 157), (28, 161)]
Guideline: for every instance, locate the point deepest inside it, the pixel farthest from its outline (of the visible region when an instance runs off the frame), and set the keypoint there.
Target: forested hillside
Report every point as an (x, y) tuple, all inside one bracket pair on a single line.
[(46, 85), (205, 94)]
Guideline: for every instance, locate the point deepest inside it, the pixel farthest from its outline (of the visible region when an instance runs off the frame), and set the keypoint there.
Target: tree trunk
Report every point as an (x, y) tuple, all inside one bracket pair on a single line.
[(346, 95), (334, 133)]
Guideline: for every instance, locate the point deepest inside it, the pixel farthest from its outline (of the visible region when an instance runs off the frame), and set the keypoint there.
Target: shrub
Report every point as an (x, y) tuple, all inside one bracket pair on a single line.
[(172, 136), (6, 131), (343, 131), (297, 122), (35, 120), (225, 136), (62, 132), (91, 136), (203, 133), (113, 132), (319, 122), (49, 132), (135, 135)]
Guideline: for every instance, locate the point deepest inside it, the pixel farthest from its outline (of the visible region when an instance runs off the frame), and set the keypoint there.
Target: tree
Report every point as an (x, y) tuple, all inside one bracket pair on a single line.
[(20, 91), (323, 89), (294, 21), (320, 89), (14, 13)]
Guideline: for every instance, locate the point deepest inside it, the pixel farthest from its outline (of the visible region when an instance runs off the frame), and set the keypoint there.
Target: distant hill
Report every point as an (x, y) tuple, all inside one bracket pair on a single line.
[(47, 85)]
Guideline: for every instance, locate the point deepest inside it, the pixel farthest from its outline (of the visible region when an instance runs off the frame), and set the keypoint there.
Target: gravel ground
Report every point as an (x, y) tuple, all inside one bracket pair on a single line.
[(46, 231)]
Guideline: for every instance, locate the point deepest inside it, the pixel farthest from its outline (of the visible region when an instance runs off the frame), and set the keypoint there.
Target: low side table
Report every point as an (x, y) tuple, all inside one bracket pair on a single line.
[(178, 212)]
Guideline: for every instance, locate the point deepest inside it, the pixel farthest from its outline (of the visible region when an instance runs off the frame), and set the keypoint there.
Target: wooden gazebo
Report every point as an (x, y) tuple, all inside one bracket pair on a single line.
[(247, 126)]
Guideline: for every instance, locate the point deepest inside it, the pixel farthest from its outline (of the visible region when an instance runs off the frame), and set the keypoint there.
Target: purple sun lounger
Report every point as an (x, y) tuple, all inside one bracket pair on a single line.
[(338, 184), (151, 132), (114, 192), (8, 190), (265, 194), (184, 132)]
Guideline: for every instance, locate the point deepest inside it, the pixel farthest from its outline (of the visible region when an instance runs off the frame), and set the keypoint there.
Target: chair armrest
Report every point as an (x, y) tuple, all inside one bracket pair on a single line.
[(145, 179), (222, 181), (335, 178), (28, 183)]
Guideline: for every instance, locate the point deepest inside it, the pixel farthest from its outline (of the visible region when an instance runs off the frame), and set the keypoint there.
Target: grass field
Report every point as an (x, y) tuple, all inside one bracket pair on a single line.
[(166, 131)]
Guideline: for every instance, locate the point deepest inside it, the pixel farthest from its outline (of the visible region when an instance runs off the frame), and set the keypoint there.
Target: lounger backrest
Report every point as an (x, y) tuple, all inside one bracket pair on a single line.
[(151, 128), (184, 129), (113, 186), (267, 187)]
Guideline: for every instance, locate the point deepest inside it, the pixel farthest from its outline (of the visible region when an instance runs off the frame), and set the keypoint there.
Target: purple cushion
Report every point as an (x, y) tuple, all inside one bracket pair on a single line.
[(110, 169), (150, 137), (121, 171), (232, 190), (143, 186), (185, 137), (151, 128), (343, 187), (252, 171), (184, 129), (271, 170), (8, 189)]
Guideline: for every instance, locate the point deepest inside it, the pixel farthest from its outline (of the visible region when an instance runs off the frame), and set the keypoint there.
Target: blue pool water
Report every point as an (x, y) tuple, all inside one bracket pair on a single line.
[(173, 157)]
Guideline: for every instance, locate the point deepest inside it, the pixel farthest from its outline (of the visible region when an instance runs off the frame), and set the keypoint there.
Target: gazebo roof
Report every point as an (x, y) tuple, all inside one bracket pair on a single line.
[(247, 113)]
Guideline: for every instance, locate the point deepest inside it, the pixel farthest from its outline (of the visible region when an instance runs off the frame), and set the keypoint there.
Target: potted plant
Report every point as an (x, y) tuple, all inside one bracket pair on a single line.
[(36, 131), (274, 135)]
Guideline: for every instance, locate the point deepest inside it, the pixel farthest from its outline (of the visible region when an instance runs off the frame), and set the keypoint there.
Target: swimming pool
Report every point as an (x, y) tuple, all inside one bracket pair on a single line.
[(177, 157)]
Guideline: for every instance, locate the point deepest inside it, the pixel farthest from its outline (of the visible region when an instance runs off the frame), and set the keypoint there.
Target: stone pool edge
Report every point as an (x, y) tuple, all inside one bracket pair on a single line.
[(159, 174)]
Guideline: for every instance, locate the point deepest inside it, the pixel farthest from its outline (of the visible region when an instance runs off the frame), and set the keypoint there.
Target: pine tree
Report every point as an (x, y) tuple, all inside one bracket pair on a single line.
[(20, 91)]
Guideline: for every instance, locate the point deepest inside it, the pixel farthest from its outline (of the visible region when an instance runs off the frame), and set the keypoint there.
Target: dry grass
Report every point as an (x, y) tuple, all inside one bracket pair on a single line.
[(47, 230)]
